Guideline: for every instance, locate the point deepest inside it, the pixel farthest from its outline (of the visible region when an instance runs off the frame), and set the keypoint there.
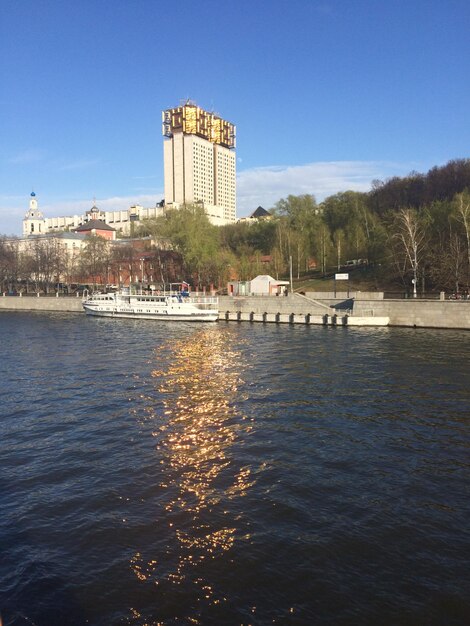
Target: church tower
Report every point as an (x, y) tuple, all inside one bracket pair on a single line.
[(34, 222), (94, 214)]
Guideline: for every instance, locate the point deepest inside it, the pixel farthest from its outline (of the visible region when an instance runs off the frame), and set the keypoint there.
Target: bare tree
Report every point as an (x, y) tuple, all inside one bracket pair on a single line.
[(456, 260), (411, 236), (94, 259), (337, 238), (45, 261), (463, 215), (9, 261)]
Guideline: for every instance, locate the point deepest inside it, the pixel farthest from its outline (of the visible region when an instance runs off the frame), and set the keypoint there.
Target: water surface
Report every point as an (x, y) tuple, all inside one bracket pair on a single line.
[(257, 474)]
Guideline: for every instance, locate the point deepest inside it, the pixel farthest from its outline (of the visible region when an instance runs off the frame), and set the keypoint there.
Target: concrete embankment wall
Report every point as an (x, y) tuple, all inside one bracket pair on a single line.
[(412, 313), (293, 309), (65, 304), (419, 313), (339, 296), (297, 309), (273, 304)]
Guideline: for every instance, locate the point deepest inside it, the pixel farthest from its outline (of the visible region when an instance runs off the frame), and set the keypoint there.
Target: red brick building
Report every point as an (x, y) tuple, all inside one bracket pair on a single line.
[(97, 227)]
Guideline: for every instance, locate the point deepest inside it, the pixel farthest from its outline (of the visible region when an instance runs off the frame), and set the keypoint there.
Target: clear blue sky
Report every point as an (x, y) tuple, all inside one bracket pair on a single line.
[(326, 94)]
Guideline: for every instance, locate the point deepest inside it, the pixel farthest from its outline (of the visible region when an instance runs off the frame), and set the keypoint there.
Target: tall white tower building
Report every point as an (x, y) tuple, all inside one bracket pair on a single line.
[(199, 161)]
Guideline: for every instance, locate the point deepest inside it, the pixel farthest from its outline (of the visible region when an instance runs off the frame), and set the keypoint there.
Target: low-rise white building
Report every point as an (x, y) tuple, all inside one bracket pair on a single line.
[(262, 285), (34, 222), (71, 243)]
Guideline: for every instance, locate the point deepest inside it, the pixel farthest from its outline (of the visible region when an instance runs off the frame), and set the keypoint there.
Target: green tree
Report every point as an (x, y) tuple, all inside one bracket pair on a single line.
[(296, 227), (347, 212), (259, 236), (191, 233)]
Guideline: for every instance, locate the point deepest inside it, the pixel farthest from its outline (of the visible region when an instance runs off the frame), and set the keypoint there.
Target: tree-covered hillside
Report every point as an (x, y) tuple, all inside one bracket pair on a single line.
[(412, 233)]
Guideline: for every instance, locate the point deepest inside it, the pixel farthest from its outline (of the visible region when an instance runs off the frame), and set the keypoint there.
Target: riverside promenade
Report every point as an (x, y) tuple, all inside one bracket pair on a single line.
[(358, 308)]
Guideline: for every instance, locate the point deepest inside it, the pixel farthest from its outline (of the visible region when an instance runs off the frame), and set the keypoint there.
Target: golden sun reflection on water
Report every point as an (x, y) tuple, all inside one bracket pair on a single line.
[(198, 385)]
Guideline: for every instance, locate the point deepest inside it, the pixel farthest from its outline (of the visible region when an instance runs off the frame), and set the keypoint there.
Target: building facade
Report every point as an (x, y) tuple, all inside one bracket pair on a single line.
[(34, 223), (199, 162)]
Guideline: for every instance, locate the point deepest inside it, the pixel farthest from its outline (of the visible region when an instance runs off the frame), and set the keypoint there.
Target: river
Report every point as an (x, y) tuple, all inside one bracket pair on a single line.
[(165, 474)]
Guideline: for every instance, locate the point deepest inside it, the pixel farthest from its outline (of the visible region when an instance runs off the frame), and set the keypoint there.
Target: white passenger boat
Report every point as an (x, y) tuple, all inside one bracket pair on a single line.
[(171, 306)]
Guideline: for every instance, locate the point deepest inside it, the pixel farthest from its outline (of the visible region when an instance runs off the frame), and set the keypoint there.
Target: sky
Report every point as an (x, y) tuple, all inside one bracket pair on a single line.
[(326, 95)]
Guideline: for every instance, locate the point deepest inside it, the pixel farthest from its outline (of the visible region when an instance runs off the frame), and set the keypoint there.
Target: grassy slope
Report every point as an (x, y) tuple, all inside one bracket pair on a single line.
[(365, 279)]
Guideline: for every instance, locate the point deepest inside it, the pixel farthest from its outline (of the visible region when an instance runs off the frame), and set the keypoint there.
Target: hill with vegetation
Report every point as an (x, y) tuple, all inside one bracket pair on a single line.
[(405, 234), (409, 234)]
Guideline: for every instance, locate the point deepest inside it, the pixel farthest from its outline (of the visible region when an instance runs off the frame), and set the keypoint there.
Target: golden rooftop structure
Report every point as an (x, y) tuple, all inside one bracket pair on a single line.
[(192, 120)]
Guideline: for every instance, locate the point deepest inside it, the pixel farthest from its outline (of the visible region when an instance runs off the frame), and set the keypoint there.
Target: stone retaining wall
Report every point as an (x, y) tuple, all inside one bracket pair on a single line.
[(419, 313), (343, 295), (66, 304), (412, 313)]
